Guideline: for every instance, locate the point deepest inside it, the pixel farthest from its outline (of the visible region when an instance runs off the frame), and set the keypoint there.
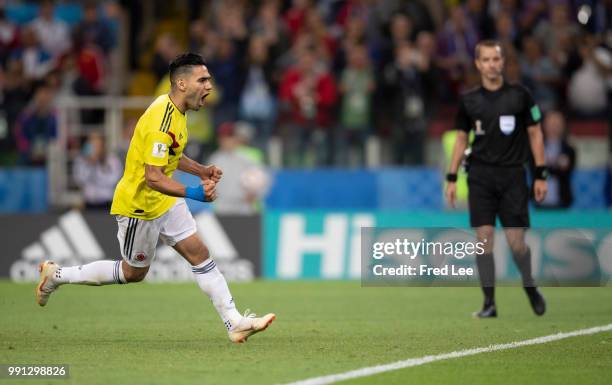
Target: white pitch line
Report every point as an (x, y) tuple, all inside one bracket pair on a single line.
[(368, 371)]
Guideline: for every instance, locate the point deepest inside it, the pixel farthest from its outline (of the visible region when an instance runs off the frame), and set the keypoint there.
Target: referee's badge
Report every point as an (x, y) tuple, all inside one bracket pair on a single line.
[(507, 124), (479, 130)]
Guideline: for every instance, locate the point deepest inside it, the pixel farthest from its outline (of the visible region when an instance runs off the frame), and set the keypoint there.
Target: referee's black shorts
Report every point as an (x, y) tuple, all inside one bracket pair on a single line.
[(498, 191)]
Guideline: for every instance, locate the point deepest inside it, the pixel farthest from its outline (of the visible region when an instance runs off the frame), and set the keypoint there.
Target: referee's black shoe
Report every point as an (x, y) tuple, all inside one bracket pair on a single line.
[(488, 311), (536, 299)]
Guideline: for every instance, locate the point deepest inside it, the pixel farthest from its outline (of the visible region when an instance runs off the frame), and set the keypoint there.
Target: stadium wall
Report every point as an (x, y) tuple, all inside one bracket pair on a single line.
[(415, 188), (25, 189)]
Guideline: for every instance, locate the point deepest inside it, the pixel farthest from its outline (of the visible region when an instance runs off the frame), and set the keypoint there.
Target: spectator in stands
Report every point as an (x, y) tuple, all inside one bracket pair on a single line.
[(403, 89), (430, 72), (308, 93), (456, 43), (506, 32), (96, 172), (9, 37), (512, 69), (202, 38), (257, 101), (540, 74), (356, 87), (245, 181), (400, 31), (530, 14), (166, 49), (36, 61), (589, 85), (551, 32), (229, 18), (94, 30), (322, 37), (295, 17), (36, 126), (245, 133), (560, 160), (227, 64), (53, 34), (7, 141), (91, 65), (354, 34), (269, 24), (476, 12), (16, 92), (91, 74), (421, 12)]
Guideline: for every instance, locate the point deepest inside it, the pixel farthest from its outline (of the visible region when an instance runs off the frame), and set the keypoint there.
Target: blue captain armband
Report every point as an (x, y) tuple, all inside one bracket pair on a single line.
[(195, 193)]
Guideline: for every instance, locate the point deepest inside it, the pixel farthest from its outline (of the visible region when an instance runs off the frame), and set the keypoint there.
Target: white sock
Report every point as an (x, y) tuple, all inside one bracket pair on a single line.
[(95, 273), (212, 282)]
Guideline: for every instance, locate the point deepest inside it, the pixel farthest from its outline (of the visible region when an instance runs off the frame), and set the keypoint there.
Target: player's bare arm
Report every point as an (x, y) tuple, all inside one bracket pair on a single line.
[(536, 141), (190, 166), (158, 181), (458, 151)]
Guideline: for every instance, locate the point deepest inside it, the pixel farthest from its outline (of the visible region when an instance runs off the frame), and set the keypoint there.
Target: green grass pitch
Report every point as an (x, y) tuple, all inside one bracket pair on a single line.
[(170, 334)]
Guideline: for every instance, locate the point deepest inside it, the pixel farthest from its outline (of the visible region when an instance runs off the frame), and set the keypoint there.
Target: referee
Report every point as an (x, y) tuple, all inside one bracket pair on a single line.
[(506, 125)]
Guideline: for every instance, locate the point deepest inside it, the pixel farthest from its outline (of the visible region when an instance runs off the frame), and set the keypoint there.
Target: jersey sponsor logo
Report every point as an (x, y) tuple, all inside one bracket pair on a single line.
[(159, 150), (507, 124)]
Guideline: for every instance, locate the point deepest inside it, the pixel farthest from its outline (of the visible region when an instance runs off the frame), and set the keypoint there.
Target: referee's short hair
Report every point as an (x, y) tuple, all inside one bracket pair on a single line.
[(489, 43), (183, 63)]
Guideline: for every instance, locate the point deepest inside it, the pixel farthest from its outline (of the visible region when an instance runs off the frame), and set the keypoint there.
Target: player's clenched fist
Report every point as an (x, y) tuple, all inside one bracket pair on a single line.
[(210, 190), (213, 173)]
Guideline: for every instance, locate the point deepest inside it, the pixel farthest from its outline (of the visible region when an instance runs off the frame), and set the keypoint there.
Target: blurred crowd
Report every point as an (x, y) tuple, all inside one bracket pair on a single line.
[(326, 75), (322, 76), (41, 60)]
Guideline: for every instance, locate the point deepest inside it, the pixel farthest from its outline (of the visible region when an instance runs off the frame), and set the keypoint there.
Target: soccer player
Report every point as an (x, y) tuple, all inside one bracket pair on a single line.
[(148, 204), (506, 124)]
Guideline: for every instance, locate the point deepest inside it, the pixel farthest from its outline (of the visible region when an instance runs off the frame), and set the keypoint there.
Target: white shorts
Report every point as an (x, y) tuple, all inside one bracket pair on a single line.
[(138, 237)]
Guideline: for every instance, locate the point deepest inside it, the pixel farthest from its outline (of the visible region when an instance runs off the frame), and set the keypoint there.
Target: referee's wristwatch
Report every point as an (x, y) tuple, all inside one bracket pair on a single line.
[(450, 177), (541, 173)]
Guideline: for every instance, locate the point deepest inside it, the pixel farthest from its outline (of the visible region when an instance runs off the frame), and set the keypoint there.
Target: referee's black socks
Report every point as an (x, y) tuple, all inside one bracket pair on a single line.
[(523, 262), (486, 271)]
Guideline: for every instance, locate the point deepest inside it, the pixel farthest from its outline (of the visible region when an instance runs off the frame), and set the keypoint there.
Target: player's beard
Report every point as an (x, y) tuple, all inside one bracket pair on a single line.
[(196, 101)]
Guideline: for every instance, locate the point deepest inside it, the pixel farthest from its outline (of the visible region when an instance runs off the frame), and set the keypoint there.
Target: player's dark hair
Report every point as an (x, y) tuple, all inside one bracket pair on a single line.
[(183, 63), (490, 44)]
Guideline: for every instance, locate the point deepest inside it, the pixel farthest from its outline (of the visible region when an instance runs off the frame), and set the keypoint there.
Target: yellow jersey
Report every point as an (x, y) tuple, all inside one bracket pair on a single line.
[(158, 140)]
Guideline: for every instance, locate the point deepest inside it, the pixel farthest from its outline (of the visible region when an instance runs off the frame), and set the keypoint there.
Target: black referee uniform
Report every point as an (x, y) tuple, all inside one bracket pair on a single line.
[(496, 178), (497, 181)]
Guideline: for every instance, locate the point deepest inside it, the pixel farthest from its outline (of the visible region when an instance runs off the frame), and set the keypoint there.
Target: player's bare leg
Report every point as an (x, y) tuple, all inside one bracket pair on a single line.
[(97, 273), (212, 282), (522, 258), (486, 271)]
